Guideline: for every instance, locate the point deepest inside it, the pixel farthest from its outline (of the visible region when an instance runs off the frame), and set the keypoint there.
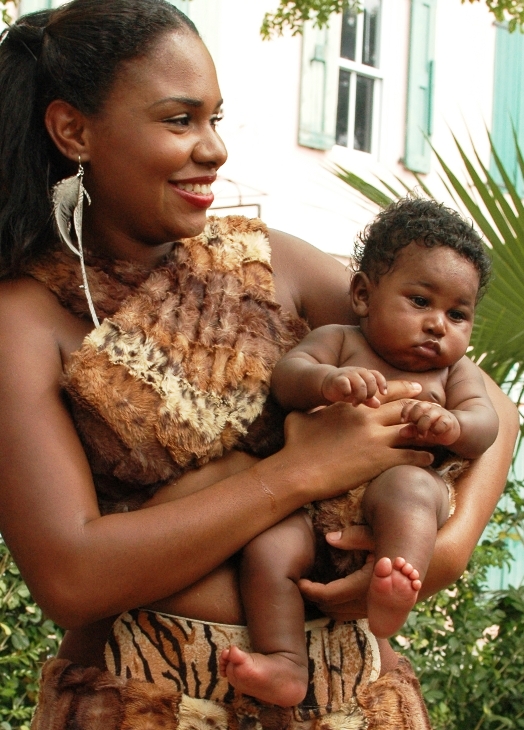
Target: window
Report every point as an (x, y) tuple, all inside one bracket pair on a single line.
[(341, 78), (359, 77)]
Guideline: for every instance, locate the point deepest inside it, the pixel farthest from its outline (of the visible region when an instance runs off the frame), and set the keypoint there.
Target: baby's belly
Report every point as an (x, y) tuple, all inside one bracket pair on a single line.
[(215, 598)]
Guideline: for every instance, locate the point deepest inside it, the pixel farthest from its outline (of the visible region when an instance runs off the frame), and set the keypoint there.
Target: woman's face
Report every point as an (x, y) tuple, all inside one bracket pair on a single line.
[(154, 151)]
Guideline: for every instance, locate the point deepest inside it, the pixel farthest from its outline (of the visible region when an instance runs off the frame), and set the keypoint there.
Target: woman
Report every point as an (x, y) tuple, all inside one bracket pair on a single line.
[(125, 95)]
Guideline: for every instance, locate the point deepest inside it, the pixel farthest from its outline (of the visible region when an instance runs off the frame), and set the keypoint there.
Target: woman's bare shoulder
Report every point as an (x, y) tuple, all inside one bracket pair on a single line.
[(26, 298), (30, 315), (314, 282)]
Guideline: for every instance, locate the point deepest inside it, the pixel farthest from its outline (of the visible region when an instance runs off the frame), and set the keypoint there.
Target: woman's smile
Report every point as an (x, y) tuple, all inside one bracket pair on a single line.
[(197, 191)]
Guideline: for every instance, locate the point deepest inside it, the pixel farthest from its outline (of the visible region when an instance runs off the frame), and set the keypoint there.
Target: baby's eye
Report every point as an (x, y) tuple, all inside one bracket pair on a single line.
[(419, 301), (456, 315)]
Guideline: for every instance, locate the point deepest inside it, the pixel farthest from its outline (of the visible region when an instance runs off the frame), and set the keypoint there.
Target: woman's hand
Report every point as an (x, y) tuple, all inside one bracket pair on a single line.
[(342, 446), (344, 599)]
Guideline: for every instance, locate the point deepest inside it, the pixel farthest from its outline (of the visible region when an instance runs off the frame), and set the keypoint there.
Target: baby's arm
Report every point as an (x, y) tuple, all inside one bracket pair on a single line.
[(309, 375), (468, 424)]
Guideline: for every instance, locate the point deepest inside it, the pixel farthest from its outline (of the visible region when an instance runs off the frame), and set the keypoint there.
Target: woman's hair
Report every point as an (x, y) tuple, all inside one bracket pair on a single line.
[(422, 221), (73, 54)]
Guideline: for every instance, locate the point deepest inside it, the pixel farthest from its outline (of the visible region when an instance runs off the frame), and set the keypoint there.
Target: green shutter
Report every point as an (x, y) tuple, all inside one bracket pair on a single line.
[(421, 72), (508, 102), (319, 85)]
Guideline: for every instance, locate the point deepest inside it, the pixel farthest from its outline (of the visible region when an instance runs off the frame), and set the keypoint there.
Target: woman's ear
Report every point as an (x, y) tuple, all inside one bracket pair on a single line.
[(359, 293), (67, 128)]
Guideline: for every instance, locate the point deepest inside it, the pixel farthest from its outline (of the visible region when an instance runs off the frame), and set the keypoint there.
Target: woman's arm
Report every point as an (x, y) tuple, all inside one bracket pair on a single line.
[(478, 491), (80, 566)]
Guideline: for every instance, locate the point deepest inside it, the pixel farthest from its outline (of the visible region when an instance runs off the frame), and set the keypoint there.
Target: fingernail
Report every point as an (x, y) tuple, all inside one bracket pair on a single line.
[(334, 536)]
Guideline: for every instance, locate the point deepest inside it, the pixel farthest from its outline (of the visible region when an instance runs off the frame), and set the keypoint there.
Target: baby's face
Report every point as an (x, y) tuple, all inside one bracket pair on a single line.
[(421, 312)]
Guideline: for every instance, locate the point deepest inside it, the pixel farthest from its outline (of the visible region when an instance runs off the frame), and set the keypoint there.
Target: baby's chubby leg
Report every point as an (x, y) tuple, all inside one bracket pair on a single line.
[(405, 506), (272, 563)]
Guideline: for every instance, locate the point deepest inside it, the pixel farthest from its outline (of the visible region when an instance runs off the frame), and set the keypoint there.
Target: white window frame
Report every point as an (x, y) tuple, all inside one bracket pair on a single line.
[(358, 68)]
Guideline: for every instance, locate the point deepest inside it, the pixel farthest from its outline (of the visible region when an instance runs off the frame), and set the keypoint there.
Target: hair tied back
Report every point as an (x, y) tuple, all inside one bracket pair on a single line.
[(26, 36)]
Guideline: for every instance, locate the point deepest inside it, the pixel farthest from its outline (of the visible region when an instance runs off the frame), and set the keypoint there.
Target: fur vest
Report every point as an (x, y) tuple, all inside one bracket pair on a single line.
[(178, 371)]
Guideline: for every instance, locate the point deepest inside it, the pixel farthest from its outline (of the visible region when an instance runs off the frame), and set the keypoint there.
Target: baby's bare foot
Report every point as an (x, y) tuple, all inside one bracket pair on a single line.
[(392, 594), (273, 678)]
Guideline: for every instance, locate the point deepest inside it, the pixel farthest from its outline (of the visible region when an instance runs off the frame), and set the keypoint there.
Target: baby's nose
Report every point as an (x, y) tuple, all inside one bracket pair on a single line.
[(435, 325)]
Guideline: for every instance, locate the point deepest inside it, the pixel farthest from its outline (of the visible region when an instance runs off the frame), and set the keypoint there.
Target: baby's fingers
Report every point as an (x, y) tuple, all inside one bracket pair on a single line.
[(442, 424), (363, 385), (407, 408)]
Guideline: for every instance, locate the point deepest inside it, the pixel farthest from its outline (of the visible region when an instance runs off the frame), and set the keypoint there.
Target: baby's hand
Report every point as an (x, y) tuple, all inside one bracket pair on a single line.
[(429, 422), (354, 385)]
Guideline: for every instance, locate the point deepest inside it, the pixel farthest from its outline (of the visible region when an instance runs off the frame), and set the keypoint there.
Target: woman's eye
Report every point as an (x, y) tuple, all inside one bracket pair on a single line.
[(215, 119), (419, 301), (182, 120)]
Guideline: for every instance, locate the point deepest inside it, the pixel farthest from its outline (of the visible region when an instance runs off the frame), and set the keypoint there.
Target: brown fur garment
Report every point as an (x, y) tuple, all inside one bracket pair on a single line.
[(179, 370), (331, 515)]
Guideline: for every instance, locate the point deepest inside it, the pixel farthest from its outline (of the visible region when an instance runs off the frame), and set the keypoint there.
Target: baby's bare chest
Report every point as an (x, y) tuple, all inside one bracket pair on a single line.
[(433, 382)]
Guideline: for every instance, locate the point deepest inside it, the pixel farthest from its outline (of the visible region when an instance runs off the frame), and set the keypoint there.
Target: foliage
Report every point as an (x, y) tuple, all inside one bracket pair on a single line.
[(291, 14), (467, 645), (7, 18), (27, 639)]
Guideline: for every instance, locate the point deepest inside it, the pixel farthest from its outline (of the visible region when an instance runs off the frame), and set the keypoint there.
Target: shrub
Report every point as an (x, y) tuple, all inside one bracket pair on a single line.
[(27, 639)]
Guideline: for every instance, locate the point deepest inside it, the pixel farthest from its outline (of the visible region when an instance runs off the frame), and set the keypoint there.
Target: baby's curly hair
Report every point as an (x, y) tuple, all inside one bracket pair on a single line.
[(426, 222)]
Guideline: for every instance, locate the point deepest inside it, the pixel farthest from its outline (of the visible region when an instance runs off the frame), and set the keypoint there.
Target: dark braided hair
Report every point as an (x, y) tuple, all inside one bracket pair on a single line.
[(425, 222), (73, 54)]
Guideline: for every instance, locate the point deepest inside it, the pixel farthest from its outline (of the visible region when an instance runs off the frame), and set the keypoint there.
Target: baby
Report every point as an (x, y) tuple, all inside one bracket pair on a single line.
[(421, 271)]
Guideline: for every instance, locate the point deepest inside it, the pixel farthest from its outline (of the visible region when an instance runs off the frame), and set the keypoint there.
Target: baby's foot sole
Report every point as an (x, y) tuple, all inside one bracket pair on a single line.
[(273, 678), (392, 593)]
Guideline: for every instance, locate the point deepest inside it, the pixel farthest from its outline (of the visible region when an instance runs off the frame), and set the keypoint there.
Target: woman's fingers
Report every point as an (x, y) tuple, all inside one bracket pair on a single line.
[(355, 537), (413, 457), (343, 599), (401, 389), (347, 446)]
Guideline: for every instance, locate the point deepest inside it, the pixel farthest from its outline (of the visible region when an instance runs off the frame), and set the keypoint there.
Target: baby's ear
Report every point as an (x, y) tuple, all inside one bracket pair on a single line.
[(359, 293)]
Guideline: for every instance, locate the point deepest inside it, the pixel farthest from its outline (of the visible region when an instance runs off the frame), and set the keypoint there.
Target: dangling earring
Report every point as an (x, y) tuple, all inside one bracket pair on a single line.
[(68, 205)]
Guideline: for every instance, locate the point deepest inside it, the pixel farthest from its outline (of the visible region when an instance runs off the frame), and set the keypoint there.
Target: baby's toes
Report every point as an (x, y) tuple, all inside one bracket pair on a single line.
[(399, 563)]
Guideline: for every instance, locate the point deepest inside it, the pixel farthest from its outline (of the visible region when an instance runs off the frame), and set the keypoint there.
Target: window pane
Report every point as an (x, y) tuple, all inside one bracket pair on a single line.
[(348, 39), (363, 114), (343, 108), (369, 41)]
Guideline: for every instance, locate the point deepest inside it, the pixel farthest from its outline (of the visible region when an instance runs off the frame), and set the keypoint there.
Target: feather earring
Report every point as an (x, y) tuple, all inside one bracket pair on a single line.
[(68, 206)]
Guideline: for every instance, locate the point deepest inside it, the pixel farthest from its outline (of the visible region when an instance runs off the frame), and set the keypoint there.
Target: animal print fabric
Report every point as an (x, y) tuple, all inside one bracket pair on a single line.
[(181, 655)]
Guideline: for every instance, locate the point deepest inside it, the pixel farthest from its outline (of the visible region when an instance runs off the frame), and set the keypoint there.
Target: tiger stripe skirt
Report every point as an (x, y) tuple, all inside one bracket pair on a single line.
[(163, 675)]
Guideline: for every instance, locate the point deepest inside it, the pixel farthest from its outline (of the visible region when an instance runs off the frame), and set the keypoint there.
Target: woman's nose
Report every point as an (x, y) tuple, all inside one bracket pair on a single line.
[(210, 150)]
